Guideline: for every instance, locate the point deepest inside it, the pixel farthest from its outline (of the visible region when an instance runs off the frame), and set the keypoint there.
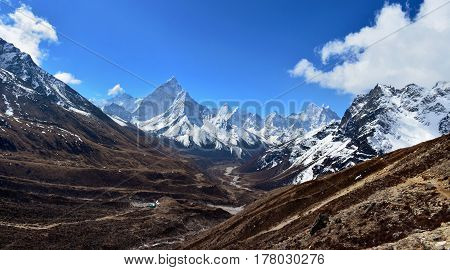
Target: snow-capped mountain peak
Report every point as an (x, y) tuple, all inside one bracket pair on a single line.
[(393, 118), (39, 83), (169, 111), (224, 114), (313, 116), (185, 106), (170, 89), (383, 120), (158, 101), (444, 85)]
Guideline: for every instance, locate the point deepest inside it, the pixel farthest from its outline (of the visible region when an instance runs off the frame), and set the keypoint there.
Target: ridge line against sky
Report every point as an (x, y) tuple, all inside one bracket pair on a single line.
[(227, 59)]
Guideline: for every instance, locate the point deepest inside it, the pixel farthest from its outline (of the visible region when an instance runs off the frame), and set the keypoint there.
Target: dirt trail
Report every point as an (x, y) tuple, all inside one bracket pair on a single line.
[(25, 226), (230, 209)]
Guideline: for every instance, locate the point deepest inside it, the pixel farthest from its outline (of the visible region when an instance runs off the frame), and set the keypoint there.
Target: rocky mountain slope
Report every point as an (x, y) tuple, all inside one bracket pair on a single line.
[(381, 121), (399, 200), (170, 112), (71, 177), (40, 115)]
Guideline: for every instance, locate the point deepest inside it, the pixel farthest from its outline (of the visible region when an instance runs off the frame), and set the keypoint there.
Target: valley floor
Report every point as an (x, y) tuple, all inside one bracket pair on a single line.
[(48, 206), (398, 201)]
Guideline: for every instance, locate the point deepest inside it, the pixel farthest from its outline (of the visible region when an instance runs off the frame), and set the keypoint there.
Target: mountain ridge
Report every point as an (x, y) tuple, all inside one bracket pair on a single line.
[(223, 129), (69, 169), (383, 120)]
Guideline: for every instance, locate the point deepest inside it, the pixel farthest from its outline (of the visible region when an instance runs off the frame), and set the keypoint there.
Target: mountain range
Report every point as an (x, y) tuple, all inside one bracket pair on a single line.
[(291, 149), (68, 169), (169, 111), (381, 121), (299, 147), (74, 175)]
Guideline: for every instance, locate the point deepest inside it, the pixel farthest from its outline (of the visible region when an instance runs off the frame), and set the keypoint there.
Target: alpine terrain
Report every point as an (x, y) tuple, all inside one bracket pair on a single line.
[(395, 201), (381, 121), (165, 171), (171, 113), (71, 177)]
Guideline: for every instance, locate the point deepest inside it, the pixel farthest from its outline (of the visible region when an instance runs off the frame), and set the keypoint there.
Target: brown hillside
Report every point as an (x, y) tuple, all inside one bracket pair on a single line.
[(398, 200)]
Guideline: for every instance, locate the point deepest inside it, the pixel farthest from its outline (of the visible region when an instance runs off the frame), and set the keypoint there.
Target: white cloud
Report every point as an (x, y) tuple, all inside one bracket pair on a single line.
[(117, 89), (418, 53), (67, 78), (26, 31)]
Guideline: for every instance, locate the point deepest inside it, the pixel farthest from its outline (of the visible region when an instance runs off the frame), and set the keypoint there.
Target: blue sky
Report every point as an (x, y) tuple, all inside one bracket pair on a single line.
[(218, 50)]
